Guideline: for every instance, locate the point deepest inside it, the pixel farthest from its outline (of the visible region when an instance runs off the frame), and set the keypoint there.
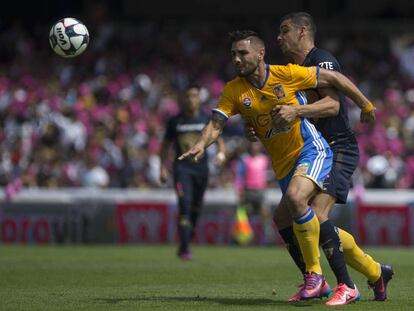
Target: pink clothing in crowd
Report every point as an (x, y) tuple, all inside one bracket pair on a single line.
[(251, 172)]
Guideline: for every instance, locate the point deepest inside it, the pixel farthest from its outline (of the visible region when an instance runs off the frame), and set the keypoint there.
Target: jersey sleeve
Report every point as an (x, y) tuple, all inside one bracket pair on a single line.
[(304, 77), (226, 105), (326, 60)]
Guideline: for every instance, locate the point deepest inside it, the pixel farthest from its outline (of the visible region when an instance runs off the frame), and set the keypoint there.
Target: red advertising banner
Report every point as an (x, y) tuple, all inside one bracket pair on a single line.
[(142, 222), (25, 229), (157, 223), (45, 223), (383, 224)]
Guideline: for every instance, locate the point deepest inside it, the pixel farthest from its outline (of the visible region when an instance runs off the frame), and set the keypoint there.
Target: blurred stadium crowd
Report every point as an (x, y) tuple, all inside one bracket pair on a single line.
[(98, 120)]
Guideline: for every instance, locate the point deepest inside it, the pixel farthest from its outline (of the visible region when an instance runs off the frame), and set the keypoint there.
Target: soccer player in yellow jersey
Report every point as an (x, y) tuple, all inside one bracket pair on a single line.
[(301, 158)]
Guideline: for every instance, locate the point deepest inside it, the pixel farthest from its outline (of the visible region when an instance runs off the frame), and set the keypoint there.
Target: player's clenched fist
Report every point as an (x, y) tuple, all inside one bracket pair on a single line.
[(368, 116), (283, 115), (368, 113)]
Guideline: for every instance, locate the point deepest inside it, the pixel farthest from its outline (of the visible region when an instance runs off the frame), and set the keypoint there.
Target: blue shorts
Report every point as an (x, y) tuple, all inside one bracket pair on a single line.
[(314, 162)]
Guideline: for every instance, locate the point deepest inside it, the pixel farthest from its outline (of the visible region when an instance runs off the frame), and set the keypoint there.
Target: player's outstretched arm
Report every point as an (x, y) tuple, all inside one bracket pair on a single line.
[(328, 78), (209, 135)]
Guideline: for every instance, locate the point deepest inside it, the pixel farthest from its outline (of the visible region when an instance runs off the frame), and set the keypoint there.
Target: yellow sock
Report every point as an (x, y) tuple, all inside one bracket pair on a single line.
[(357, 259), (306, 229)]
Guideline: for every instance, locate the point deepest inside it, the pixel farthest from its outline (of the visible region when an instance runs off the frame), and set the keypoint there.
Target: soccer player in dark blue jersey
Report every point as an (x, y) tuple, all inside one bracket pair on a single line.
[(296, 40), (190, 177)]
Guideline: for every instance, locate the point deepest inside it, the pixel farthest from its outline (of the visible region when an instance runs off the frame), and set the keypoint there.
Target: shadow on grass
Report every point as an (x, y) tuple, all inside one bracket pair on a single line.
[(220, 300)]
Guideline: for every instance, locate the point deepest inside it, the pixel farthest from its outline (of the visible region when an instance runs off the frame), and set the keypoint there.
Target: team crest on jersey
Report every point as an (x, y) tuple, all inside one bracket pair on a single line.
[(247, 102), (302, 169), (279, 91)]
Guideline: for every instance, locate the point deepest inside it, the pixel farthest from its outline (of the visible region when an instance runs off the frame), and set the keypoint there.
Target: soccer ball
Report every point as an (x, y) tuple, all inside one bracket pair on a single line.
[(69, 37)]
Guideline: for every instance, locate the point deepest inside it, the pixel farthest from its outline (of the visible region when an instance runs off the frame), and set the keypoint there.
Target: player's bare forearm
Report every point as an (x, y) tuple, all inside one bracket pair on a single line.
[(328, 78), (212, 131), (221, 153), (209, 135), (221, 145), (322, 108), (343, 84), (325, 107), (284, 115)]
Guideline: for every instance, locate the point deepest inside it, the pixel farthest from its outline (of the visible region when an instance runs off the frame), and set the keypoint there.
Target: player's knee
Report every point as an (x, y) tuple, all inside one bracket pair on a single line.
[(184, 221), (295, 200)]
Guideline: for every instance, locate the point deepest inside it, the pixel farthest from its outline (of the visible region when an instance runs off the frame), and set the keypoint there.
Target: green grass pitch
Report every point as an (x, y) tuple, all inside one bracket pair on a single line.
[(152, 278)]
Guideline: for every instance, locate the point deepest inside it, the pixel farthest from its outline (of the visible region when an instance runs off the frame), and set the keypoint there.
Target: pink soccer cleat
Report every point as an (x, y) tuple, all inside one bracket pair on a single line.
[(185, 256), (343, 295), (296, 297)]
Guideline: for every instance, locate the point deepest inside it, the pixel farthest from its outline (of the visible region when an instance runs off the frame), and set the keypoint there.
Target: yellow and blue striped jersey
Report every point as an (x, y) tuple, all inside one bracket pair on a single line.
[(282, 86)]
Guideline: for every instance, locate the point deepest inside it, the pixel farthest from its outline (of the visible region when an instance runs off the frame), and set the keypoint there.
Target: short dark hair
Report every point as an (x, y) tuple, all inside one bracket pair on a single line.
[(237, 35), (301, 19), (192, 85)]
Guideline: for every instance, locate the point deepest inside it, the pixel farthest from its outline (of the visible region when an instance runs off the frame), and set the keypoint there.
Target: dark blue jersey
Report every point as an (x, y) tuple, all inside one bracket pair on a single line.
[(332, 128), (184, 131)]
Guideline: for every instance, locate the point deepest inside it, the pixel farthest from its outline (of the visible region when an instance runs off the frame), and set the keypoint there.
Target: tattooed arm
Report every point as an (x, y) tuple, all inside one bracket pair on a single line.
[(209, 135)]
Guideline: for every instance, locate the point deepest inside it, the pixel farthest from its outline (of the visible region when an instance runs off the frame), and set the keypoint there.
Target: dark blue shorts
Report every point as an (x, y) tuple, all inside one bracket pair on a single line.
[(345, 161), (190, 185)]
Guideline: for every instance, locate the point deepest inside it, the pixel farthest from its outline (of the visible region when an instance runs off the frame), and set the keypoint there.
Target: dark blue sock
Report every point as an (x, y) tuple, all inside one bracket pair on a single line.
[(331, 245), (194, 218), (185, 233), (293, 248)]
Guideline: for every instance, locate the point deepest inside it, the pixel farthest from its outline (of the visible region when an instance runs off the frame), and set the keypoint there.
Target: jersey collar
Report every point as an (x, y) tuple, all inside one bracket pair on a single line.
[(306, 60)]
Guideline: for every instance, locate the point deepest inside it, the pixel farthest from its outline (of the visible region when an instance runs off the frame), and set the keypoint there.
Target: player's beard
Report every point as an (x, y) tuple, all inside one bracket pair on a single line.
[(248, 70), (284, 49)]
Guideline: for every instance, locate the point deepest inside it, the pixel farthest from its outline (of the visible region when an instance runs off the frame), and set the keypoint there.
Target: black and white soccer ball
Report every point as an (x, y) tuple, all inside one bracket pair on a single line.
[(69, 37)]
